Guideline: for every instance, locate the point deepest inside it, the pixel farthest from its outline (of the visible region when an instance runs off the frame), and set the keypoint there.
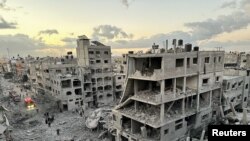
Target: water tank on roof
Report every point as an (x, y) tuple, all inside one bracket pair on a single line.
[(130, 52), (180, 42), (188, 47), (196, 48)]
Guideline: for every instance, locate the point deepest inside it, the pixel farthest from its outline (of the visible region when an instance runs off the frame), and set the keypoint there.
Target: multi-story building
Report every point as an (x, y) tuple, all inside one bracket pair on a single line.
[(95, 67), (248, 64), (58, 77), (235, 92), (168, 94), (4, 65)]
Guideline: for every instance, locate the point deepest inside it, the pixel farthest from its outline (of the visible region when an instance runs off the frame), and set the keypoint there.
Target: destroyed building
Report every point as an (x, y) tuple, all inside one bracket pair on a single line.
[(169, 93), (95, 67), (58, 77), (120, 72), (235, 93)]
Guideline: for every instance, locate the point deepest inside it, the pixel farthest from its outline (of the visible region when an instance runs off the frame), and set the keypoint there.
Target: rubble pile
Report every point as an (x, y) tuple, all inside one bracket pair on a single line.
[(150, 114), (147, 95), (28, 124)]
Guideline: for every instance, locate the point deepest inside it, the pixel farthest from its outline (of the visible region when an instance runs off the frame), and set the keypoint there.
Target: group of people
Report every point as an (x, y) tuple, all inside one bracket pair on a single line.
[(48, 119)]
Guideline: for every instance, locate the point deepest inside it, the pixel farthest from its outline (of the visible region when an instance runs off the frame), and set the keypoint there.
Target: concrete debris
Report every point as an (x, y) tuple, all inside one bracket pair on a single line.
[(244, 120), (99, 116), (2, 129), (93, 119), (102, 134), (6, 120), (148, 114)]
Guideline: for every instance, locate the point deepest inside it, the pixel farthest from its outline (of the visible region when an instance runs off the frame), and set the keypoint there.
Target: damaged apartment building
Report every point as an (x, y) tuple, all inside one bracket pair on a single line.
[(120, 72), (58, 77), (235, 93), (95, 68), (169, 93), (236, 79)]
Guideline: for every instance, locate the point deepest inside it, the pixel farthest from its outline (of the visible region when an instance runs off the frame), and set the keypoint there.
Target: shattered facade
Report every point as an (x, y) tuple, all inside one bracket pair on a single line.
[(95, 67), (58, 77), (169, 94), (235, 92)]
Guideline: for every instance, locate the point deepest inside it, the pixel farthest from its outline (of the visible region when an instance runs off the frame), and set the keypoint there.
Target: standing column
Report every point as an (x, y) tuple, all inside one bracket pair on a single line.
[(198, 102), (184, 84), (162, 87), (162, 112), (174, 87), (135, 87), (183, 106), (210, 104)]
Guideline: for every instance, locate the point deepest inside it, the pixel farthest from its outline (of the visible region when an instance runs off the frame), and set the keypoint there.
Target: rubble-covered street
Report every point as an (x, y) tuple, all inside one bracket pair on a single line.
[(30, 124)]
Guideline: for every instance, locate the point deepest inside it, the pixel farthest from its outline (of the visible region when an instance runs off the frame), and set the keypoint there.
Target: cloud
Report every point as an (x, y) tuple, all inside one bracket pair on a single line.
[(6, 25), (223, 24), (68, 40), (245, 5), (3, 5), (110, 32), (198, 31), (228, 45), (24, 45), (238, 19), (48, 32), (229, 4), (19, 44), (127, 3), (148, 41)]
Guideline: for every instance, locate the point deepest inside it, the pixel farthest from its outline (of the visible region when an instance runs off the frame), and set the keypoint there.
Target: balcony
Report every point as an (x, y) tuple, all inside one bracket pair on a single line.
[(149, 115), (154, 97)]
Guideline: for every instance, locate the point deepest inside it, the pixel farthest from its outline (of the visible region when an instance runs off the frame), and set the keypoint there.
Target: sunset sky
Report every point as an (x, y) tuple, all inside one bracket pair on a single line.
[(50, 27)]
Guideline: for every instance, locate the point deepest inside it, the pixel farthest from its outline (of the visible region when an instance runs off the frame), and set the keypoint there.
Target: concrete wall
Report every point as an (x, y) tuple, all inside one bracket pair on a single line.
[(245, 97), (231, 58), (203, 118), (173, 134), (237, 94), (169, 69)]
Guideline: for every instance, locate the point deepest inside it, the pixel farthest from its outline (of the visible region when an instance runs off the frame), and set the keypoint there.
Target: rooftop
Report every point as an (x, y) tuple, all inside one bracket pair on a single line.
[(164, 53), (84, 37)]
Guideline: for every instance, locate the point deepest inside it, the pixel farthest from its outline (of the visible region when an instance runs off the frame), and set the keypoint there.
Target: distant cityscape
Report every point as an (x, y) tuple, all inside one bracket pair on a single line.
[(163, 94)]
